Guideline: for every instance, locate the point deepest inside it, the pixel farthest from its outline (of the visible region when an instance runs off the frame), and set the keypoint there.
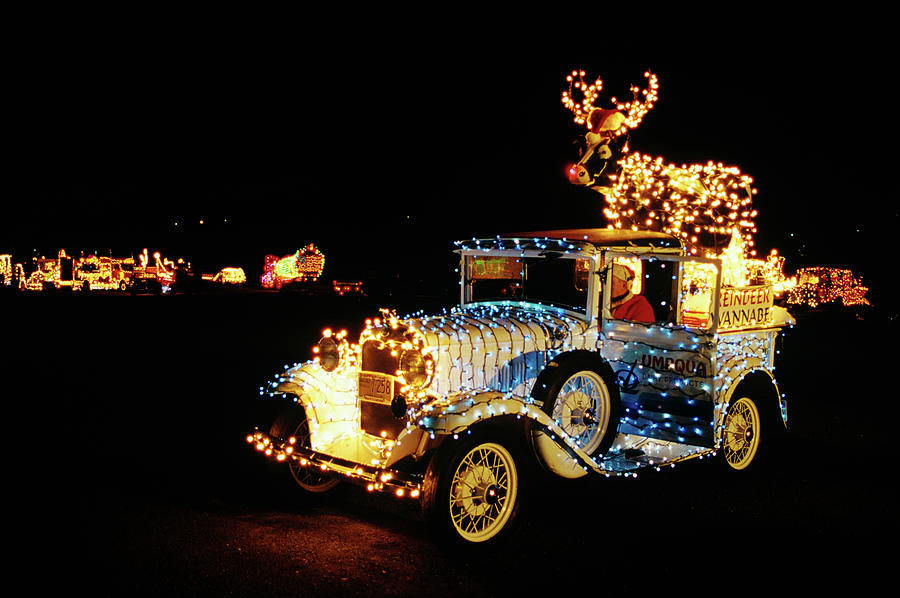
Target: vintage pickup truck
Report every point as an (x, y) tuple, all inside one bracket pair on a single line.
[(590, 350)]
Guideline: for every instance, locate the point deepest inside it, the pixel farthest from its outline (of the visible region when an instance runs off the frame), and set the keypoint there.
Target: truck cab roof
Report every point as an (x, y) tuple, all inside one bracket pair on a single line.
[(587, 240)]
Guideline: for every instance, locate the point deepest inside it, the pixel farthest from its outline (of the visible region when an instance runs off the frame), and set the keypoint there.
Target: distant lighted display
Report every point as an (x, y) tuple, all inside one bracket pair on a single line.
[(347, 288), (230, 275), (6, 269), (816, 286), (306, 265)]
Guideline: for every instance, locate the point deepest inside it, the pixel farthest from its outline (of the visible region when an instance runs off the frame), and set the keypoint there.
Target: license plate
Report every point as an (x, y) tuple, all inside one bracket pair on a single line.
[(376, 387)]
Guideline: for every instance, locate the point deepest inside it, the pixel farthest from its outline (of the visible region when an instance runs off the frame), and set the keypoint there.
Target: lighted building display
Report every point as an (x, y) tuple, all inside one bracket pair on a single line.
[(6, 269)]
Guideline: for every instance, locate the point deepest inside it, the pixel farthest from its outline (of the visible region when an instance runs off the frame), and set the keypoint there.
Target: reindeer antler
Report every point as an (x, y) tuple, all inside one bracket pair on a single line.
[(589, 94), (633, 111), (637, 109)]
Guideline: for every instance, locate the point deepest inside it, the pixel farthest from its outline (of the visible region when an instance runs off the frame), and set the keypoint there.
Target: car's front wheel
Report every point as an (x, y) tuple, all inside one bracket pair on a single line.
[(472, 491), (292, 423)]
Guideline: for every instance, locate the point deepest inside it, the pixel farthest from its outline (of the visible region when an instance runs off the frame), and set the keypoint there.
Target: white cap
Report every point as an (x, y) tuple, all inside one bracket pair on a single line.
[(622, 272)]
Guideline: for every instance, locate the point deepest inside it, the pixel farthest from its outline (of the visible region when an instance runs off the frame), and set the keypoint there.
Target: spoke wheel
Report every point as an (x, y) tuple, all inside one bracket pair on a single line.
[(482, 492), (472, 492), (577, 391), (292, 423), (582, 409), (309, 478), (740, 441)]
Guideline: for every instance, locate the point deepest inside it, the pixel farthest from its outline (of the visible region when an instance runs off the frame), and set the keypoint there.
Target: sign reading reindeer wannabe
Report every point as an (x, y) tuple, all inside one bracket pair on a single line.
[(746, 307)]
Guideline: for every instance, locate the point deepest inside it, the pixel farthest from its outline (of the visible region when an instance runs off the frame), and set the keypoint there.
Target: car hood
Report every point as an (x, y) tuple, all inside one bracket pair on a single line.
[(496, 346)]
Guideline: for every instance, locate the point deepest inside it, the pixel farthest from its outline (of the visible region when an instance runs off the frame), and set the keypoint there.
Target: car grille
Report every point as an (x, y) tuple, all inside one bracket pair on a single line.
[(378, 358), (375, 405)]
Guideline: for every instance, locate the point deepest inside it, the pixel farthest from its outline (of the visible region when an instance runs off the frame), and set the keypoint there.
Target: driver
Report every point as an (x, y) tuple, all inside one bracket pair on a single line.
[(625, 305)]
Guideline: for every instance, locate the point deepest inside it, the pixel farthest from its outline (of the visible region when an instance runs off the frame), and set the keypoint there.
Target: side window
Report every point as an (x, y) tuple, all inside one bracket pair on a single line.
[(643, 290), (582, 274), (697, 284), (663, 290)]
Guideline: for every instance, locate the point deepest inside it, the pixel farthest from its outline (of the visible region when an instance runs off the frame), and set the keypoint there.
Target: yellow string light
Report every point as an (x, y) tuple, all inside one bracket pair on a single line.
[(305, 265), (820, 285), (701, 204)]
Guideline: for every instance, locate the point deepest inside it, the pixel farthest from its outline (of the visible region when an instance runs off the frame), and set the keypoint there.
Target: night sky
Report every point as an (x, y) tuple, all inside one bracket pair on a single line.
[(375, 143)]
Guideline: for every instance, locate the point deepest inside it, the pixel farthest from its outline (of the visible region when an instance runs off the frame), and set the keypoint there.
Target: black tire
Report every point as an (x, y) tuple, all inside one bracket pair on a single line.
[(753, 429), (473, 490), (292, 423), (578, 392), (742, 433)]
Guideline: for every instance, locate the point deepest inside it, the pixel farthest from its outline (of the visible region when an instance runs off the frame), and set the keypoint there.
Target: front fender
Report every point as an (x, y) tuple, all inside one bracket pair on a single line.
[(455, 414), (329, 399)]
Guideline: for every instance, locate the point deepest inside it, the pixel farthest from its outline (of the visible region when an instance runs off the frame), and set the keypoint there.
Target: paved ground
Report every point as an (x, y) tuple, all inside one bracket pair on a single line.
[(129, 475)]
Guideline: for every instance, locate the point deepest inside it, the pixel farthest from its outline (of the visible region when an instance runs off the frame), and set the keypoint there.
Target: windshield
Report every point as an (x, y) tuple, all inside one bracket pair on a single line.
[(551, 280)]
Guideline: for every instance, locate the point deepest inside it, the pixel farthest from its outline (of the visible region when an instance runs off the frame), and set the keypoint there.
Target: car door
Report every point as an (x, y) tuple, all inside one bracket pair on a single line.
[(664, 367)]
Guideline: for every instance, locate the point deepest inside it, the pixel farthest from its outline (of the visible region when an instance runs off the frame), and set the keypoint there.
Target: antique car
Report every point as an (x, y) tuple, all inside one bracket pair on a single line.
[(591, 351)]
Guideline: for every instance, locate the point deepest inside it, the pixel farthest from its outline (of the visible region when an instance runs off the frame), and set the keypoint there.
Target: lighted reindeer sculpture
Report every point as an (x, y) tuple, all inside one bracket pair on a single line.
[(703, 204)]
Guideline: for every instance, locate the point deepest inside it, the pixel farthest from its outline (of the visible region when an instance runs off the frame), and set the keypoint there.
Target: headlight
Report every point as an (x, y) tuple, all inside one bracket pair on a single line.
[(416, 368), (328, 353)]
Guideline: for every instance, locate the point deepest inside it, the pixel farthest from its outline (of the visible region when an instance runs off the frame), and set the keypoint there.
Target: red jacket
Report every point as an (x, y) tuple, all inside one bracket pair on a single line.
[(636, 309)]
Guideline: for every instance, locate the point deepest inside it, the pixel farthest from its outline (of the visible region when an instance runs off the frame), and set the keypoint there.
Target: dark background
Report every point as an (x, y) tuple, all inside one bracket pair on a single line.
[(382, 142)]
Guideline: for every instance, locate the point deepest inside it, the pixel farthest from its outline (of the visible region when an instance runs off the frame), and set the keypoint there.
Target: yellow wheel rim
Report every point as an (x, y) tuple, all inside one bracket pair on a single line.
[(741, 439), (483, 492), (582, 410)]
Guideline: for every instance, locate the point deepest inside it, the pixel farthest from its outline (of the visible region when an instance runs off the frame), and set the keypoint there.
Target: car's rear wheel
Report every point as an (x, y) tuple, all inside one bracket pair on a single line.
[(742, 433)]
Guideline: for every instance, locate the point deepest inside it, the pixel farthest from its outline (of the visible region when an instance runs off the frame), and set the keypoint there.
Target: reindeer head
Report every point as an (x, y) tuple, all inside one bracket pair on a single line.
[(603, 124)]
